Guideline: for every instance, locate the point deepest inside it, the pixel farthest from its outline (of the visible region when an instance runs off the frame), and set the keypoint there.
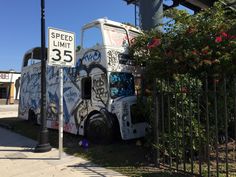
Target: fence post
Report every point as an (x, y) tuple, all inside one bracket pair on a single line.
[(226, 127), (234, 93), (156, 120), (216, 126), (207, 126)]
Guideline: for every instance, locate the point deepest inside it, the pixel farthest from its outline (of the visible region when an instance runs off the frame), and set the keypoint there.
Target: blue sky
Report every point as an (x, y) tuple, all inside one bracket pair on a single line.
[(20, 22)]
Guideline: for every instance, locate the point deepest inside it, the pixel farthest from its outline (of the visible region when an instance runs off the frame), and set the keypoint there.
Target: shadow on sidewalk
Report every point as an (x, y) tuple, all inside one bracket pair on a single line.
[(10, 153), (14, 146), (17, 150), (28, 158), (90, 169)]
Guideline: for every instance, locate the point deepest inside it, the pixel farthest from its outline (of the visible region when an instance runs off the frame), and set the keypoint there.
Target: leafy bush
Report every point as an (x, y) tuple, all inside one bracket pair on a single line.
[(189, 48)]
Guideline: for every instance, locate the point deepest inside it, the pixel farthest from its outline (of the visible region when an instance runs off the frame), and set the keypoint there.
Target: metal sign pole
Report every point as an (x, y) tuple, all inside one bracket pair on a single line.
[(60, 129), (61, 56)]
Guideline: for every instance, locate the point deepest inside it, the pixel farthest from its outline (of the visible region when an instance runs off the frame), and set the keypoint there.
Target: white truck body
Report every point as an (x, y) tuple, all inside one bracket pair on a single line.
[(103, 81)]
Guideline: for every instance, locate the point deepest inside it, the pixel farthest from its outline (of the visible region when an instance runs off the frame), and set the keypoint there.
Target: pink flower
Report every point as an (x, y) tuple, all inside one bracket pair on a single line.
[(153, 43), (218, 39), (232, 37), (205, 52), (184, 90), (194, 52), (224, 34)]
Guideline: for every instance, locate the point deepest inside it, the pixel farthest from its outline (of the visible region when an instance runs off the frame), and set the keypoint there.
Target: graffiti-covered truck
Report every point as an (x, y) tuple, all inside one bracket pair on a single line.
[(99, 93)]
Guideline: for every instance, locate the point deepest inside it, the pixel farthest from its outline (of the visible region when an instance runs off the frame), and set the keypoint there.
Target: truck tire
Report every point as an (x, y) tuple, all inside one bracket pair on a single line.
[(98, 129)]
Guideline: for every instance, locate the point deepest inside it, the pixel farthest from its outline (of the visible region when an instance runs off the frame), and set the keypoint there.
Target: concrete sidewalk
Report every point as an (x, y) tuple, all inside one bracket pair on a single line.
[(8, 111), (17, 159)]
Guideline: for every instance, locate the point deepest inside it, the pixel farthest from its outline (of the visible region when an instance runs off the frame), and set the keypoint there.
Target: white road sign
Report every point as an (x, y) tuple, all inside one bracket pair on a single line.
[(61, 48)]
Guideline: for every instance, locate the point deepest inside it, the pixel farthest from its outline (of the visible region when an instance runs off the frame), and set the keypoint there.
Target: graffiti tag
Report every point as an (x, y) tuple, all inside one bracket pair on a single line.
[(71, 95), (92, 56), (99, 86), (112, 56)]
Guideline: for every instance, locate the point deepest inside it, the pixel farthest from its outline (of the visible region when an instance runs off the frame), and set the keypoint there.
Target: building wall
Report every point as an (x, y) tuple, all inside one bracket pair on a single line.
[(9, 87)]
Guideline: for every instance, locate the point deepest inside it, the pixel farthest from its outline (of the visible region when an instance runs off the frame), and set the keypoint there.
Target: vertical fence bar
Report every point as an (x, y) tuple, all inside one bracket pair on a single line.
[(156, 126), (216, 128), (169, 122), (226, 127), (162, 120), (207, 127), (176, 129), (183, 127), (191, 126), (199, 122), (234, 117)]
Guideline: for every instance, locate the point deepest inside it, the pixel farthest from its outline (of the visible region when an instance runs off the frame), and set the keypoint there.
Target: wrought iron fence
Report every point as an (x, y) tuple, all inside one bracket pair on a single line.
[(195, 124)]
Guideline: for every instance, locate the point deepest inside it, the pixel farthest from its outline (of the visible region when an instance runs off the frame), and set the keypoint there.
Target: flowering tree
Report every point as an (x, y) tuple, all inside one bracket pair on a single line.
[(193, 45), (205, 42)]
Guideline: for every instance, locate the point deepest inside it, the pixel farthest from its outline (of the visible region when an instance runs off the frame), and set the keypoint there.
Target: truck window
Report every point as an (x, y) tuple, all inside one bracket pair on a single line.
[(33, 61), (121, 84), (92, 37), (115, 36), (32, 57), (132, 35), (86, 88)]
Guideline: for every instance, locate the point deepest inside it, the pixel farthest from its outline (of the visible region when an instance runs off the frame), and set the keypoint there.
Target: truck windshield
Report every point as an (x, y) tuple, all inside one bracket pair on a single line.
[(115, 36), (121, 84), (132, 35), (92, 37)]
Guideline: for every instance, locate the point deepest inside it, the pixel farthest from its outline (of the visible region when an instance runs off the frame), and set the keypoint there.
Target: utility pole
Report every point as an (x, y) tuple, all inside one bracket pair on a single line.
[(43, 145), (151, 13)]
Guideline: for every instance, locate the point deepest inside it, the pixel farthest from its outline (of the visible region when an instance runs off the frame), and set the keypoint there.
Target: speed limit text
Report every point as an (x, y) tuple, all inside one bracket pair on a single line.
[(62, 40)]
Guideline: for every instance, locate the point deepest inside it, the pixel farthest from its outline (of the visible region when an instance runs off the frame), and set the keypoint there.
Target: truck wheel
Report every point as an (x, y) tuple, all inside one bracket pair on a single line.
[(32, 118), (98, 129)]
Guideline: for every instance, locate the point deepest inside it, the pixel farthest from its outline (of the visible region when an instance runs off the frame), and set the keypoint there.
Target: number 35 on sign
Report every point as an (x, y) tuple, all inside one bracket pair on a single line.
[(61, 48)]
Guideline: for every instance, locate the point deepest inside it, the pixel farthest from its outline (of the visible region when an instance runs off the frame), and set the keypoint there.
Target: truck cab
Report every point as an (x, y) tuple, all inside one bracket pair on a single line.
[(111, 75)]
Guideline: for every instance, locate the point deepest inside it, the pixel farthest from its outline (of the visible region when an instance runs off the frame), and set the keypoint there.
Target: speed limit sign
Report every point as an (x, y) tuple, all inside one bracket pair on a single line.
[(61, 48)]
